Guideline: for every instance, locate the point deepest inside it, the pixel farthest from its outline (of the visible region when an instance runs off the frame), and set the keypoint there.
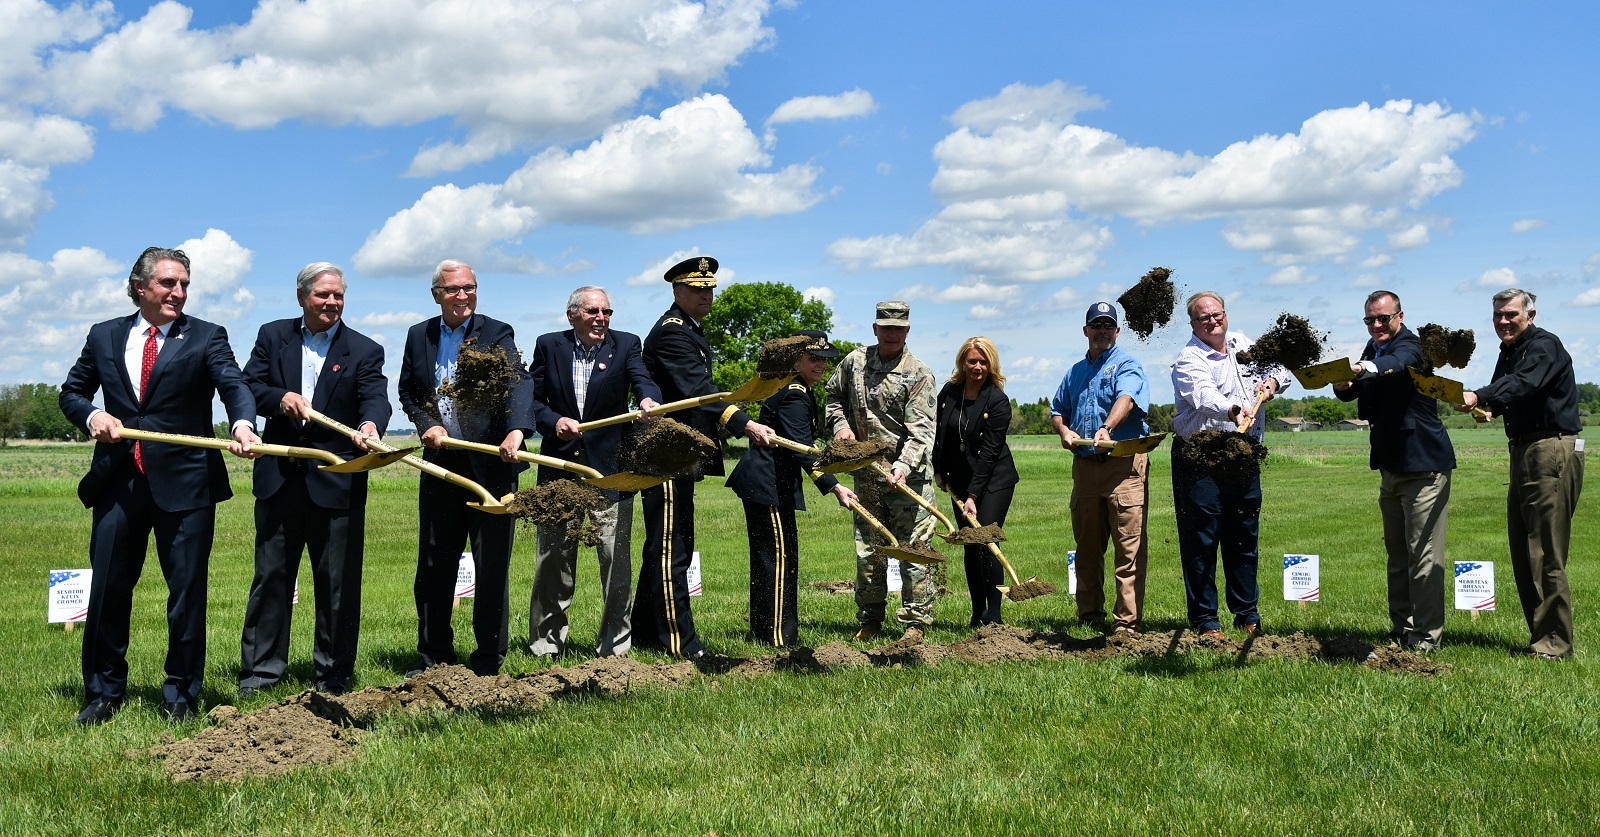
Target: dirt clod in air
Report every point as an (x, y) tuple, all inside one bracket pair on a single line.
[(668, 448), (482, 382), (1291, 342), (1446, 347), (1223, 450), (777, 356), (987, 533), (1030, 589), (850, 450), (562, 503), (1149, 304)]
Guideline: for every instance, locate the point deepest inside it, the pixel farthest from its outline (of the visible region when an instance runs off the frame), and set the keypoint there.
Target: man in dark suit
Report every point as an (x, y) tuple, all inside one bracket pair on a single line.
[(314, 361), (447, 524), (584, 374), (155, 370), (1413, 457), (679, 360)]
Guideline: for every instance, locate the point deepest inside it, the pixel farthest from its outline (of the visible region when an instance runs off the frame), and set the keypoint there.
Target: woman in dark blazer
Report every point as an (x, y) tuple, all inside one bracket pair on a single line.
[(972, 461), (771, 483)]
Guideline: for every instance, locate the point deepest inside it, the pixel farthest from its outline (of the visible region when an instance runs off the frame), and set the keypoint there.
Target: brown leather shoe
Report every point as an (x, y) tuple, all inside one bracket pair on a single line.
[(869, 631), (1252, 630), (1214, 634)]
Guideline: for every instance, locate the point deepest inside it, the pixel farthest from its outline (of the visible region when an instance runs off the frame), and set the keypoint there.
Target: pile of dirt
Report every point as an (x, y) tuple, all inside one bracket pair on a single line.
[(668, 448), (562, 503), (1149, 304), (1384, 658), (1223, 450), (987, 533), (269, 742), (1030, 589), (482, 382), (1291, 343), (1446, 347), (837, 588), (851, 450), (1003, 643), (778, 356)]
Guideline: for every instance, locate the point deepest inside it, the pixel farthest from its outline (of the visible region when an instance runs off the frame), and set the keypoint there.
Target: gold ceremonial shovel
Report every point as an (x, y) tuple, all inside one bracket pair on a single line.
[(1126, 447), (755, 389), (840, 467), (369, 462), (624, 481), (1443, 389), (1323, 374), (894, 549), (490, 504)]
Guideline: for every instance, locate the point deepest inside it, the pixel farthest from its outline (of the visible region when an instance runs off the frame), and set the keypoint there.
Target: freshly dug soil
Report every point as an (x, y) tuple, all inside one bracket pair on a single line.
[(778, 356), (1223, 450), (924, 549), (849, 450), (987, 533), (269, 742), (1149, 304), (483, 379), (1446, 347), (667, 448), (1291, 343), (1030, 589), (563, 503)]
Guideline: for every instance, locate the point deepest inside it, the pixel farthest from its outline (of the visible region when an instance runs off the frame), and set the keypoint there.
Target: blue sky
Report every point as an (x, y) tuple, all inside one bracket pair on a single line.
[(999, 165)]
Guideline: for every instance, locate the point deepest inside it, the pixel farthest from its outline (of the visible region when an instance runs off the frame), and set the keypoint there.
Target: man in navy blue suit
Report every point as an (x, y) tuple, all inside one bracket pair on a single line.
[(314, 361), (157, 370), (583, 374), (1413, 456), (447, 524)]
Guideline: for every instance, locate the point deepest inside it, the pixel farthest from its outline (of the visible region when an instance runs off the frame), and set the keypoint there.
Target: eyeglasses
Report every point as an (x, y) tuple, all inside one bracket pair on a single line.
[(1101, 325), (593, 311), (456, 290), (1211, 318), (1380, 319)]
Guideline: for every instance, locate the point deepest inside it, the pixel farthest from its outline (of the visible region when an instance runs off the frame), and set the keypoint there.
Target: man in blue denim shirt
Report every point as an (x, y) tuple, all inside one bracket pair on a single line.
[(1105, 397)]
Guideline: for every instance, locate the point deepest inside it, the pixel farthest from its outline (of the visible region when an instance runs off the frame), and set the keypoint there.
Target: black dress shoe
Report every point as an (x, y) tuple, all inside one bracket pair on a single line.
[(331, 689), (177, 713), (246, 692), (98, 712)]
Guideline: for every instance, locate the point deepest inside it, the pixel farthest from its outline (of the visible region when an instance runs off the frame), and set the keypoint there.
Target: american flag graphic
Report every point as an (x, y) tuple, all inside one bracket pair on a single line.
[(1463, 567), (58, 576), (1314, 596), (1292, 560)]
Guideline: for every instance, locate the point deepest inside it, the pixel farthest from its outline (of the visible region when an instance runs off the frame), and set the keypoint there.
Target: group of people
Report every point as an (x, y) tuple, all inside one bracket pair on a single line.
[(159, 369)]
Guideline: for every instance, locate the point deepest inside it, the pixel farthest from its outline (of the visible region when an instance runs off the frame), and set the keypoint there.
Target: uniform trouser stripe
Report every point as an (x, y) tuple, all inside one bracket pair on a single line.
[(780, 567), (675, 641)]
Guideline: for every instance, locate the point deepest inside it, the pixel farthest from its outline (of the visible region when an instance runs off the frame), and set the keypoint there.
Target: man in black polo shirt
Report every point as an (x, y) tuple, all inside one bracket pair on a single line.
[(1534, 391)]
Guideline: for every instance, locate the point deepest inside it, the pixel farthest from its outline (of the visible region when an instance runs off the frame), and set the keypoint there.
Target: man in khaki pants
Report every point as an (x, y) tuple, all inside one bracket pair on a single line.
[(1105, 396)]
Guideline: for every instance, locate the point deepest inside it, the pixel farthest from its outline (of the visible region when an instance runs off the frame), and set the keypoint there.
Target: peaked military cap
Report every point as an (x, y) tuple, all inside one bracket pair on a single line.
[(698, 272)]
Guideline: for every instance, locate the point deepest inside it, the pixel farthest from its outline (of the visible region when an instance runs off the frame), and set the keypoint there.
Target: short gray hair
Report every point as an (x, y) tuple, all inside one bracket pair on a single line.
[(451, 265), (575, 300), (145, 265), (1195, 300), (309, 273), (1509, 294)]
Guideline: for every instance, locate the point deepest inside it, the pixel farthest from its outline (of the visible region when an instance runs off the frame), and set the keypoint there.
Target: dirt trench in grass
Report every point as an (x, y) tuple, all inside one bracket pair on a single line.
[(312, 728)]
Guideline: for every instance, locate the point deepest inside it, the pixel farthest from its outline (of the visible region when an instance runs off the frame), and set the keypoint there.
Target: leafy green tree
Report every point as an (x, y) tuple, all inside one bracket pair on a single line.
[(1326, 411), (1160, 417), (15, 405), (746, 315), (45, 420)]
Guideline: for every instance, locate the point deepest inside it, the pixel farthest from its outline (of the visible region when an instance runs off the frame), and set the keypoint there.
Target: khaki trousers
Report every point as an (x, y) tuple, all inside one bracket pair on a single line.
[(1110, 499)]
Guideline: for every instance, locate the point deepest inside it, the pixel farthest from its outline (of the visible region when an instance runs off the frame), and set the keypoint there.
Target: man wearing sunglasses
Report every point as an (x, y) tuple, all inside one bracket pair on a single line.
[(1413, 456), (583, 374), (1103, 398)]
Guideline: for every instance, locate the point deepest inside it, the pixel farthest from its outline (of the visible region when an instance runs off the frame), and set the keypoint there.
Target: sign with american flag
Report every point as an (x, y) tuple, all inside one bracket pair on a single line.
[(694, 574), (1302, 578), (1474, 585), (69, 595), (466, 577), (1072, 572)]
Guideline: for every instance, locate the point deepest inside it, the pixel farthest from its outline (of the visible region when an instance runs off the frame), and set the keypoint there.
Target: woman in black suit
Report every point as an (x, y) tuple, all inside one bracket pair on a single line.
[(770, 481), (972, 461)]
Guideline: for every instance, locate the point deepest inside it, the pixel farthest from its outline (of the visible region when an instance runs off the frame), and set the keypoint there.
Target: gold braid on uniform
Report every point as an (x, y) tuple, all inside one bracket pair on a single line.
[(727, 414)]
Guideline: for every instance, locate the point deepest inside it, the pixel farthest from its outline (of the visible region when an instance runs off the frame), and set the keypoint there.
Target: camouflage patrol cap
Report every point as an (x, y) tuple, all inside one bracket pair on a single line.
[(697, 272), (893, 313)]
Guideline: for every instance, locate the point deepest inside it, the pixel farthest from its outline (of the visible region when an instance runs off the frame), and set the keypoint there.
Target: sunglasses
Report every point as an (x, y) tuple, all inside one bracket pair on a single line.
[(593, 311), (1380, 319)]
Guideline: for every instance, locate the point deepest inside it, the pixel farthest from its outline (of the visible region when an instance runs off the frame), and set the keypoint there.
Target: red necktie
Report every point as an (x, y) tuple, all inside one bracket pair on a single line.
[(146, 363)]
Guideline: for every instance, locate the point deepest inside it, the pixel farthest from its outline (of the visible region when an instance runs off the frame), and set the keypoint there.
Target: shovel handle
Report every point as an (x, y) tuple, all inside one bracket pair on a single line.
[(790, 444), (659, 409), (1255, 412), (995, 549), (223, 444), (525, 456), (1084, 441), (873, 522), (951, 527), (420, 464)]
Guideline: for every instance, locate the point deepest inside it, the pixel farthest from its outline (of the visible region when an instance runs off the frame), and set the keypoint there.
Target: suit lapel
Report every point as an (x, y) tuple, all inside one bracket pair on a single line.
[(119, 351), (176, 344), (332, 367), (289, 357)]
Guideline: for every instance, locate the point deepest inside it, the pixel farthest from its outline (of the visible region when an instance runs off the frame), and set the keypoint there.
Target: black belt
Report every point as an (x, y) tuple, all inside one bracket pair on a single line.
[(1539, 436)]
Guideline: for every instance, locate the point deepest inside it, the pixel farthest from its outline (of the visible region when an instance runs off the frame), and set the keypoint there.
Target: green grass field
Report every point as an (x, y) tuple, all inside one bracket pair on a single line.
[(1194, 743)]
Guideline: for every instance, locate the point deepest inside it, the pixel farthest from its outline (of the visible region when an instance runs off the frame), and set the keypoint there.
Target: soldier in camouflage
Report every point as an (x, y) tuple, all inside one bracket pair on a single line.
[(884, 393)]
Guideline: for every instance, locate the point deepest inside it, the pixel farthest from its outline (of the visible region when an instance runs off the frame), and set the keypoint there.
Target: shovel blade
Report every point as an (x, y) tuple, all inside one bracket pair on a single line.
[(370, 462), (909, 557), (759, 388), (846, 465), (1332, 372), (1435, 386), (625, 481), (488, 508), (1130, 447)]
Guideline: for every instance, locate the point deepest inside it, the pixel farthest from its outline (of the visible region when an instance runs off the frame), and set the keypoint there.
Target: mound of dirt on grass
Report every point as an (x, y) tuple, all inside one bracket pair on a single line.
[(1446, 347), (1291, 342), (562, 503), (269, 742), (837, 588), (1384, 658), (1149, 304), (668, 448), (1002, 643)]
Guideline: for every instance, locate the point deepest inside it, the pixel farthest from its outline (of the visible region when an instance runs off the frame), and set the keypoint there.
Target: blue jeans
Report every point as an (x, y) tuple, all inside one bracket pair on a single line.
[(1217, 508)]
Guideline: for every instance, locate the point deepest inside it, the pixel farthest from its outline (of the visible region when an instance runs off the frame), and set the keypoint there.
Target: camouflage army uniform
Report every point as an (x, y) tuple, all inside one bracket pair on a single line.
[(891, 401)]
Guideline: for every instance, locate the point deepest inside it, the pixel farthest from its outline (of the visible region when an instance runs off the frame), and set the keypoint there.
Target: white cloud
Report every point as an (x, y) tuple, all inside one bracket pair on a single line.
[(1497, 279), (388, 319), (1377, 261), (696, 163), (508, 73), (1528, 224), (22, 200), (969, 291), (986, 312), (1025, 190), (857, 102), (218, 266), (824, 295), (651, 275), (1586, 299), (1292, 275), (43, 140), (1591, 265), (1366, 280)]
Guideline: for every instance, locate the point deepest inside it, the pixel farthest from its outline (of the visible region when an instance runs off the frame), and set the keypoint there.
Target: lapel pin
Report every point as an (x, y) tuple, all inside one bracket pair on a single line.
[(336, 367), (602, 367)]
